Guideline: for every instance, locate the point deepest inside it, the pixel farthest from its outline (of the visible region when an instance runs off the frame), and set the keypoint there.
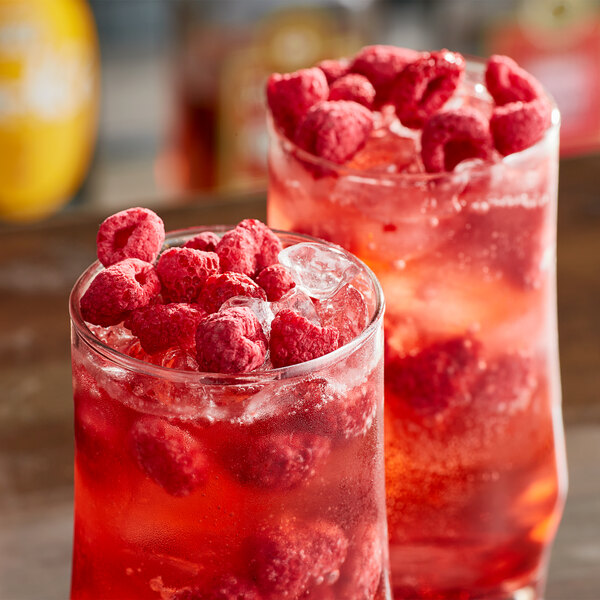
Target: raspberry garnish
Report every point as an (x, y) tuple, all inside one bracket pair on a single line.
[(230, 341), (226, 588), (294, 339), (334, 68), (132, 233), (183, 271), (436, 377), (453, 136), (219, 288), (290, 95), (163, 326), (507, 82), (169, 455), (268, 245), (287, 557), (276, 281), (206, 241), (426, 85), (353, 87), (334, 130), (117, 290), (381, 65), (519, 125), (237, 251), (280, 460)]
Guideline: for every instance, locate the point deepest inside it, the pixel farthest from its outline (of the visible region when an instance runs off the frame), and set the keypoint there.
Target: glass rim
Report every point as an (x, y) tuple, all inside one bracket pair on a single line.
[(224, 379), (475, 63)]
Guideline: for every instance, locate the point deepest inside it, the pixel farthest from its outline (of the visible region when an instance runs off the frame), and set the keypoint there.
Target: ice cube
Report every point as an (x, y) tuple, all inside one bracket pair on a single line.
[(261, 309), (318, 270), (299, 302)]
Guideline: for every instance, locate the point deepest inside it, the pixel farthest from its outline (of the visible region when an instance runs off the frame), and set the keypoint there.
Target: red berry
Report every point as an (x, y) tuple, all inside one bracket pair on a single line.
[(290, 95), (453, 136), (221, 287), (169, 455), (132, 233), (237, 251), (276, 281), (438, 376), (289, 556), (206, 241), (268, 245), (294, 339), (381, 65), (163, 326), (507, 82), (353, 87), (117, 290), (230, 341), (334, 130), (519, 125), (183, 272), (226, 588), (334, 68), (426, 85)]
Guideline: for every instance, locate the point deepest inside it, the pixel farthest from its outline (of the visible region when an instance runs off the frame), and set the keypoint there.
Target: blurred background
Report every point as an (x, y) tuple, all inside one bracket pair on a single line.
[(109, 103)]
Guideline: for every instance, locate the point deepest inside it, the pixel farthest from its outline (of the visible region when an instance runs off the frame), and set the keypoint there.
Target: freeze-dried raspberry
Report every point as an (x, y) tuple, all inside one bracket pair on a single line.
[(453, 136), (276, 281), (219, 288), (334, 130), (334, 68), (381, 65), (288, 557), (507, 82), (280, 460), (519, 125), (163, 326), (183, 271), (132, 233), (436, 377), (353, 87), (206, 241), (426, 85), (226, 588), (294, 339), (230, 341), (361, 572), (169, 455), (268, 245), (117, 290), (237, 251), (290, 95)]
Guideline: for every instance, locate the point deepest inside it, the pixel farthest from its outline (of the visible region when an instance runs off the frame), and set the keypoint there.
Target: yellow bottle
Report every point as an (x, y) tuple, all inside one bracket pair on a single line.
[(49, 86)]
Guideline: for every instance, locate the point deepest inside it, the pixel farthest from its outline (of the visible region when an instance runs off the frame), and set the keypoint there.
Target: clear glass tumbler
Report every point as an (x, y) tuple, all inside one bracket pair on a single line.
[(475, 464), (192, 485)]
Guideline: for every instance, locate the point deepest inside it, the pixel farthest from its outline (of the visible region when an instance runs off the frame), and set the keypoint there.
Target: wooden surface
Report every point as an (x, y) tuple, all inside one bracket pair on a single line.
[(38, 266)]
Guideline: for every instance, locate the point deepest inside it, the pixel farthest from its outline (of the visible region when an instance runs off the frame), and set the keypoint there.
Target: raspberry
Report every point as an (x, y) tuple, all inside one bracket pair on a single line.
[(268, 245), (381, 65), (219, 288), (290, 95), (237, 251), (507, 82), (361, 572), (334, 68), (519, 125), (132, 233), (280, 460), (230, 341), (426, 85), (436, 377), (453, 136), (169, 455), (353, 87), (334, 130), (183, 272), (165, 326), (206, 241), (288, 556), (294, 339), (226, 588), (276, 281), (117, 290)]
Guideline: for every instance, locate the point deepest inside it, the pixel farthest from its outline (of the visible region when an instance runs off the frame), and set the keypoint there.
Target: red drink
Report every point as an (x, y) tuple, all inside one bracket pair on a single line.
[(258, 485), (475, 466)]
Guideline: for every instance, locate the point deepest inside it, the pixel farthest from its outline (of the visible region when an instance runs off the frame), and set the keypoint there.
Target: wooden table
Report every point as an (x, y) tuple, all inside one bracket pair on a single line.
[(39, 264)]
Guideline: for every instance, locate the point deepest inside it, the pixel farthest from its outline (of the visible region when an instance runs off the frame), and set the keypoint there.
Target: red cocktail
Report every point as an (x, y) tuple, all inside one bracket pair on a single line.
[(447, 189)]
